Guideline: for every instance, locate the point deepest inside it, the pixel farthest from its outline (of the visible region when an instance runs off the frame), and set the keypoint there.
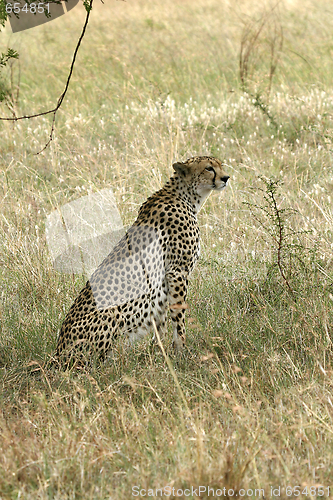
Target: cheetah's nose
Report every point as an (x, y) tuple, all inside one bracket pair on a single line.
[(225, 178)]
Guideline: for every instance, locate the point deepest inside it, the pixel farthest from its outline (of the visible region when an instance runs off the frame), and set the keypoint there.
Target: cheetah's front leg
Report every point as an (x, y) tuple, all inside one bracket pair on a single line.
[(177, 292)]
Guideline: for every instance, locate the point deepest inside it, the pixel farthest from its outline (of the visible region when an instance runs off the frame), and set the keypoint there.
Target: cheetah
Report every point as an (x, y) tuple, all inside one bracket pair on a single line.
[(147, 270)]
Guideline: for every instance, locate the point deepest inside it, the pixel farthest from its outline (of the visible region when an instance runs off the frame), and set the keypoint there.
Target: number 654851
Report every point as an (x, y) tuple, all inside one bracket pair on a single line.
[(33, 8)]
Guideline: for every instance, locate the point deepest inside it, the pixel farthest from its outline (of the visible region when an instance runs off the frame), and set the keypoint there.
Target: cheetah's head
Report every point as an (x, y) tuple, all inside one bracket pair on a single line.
[(203, 173)]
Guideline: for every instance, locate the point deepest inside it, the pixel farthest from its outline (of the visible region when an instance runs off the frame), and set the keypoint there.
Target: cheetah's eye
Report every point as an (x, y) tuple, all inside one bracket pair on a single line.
[(210, 169)]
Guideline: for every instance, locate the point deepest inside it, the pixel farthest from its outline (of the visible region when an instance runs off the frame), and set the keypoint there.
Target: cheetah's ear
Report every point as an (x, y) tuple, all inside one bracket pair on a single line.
[(181, 168)]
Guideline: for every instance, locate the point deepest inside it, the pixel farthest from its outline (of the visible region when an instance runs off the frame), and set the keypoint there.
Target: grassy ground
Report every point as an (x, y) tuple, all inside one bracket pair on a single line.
[(251, 406)]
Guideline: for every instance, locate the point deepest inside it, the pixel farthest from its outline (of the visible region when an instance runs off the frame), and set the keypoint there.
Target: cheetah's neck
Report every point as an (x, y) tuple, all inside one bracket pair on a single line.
[(191, 195)]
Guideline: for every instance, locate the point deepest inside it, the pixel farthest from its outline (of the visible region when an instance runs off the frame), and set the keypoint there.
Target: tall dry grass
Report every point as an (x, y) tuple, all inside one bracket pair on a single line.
[(155, 83)]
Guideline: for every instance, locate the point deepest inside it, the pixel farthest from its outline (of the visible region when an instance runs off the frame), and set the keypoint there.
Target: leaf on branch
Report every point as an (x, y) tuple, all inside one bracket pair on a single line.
[(10, 54)]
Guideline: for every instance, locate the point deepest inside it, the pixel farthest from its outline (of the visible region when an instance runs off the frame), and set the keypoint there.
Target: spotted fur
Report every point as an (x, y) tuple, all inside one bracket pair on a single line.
[(147, 271)]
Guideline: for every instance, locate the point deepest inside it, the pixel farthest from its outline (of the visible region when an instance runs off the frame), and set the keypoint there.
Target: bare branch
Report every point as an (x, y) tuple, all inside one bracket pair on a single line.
[(62, 96)]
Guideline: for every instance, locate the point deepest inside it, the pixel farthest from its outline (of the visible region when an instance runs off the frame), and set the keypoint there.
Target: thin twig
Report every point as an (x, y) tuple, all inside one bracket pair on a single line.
[(249, 42), (280, 243)]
